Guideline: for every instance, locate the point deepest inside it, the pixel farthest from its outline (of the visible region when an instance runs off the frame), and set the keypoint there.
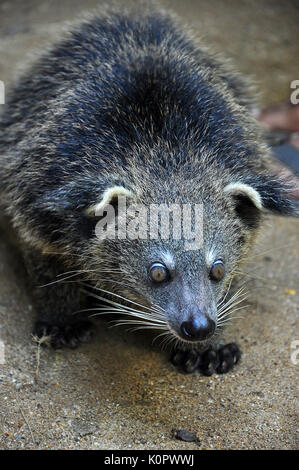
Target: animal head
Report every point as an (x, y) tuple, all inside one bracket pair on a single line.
[(174, 244)]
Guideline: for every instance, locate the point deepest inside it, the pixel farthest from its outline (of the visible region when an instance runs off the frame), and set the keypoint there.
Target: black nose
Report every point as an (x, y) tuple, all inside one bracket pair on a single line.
[(198, 329)]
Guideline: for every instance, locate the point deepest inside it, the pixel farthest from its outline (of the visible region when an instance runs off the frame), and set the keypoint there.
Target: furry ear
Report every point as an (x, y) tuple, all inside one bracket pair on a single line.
[(109, 197), (248, 202), (101, 216), (265, 194)]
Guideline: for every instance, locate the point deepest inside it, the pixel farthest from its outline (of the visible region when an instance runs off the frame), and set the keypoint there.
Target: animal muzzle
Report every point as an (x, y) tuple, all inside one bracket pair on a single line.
[(197, 328)]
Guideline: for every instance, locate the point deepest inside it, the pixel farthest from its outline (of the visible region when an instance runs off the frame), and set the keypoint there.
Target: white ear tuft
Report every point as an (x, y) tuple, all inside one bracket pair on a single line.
[(236, 189), (108, 195)]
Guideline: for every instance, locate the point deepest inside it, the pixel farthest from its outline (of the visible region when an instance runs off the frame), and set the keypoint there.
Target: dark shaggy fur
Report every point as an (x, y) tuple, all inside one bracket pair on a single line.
[(129, 100)]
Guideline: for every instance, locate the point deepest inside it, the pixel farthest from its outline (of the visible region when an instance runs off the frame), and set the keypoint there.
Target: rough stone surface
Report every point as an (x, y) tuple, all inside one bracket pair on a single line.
[(120, 392)]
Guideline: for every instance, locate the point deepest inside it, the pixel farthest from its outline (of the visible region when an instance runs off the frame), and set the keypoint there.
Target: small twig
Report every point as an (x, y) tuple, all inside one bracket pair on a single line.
[(39, 341), (26, 420)]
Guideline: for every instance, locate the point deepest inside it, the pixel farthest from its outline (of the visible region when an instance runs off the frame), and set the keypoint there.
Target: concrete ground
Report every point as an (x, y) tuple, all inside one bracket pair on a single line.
[(120, 392)]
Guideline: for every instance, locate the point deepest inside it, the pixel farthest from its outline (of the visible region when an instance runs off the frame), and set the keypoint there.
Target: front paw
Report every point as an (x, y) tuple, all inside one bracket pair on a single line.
[(69, 335), (208, 362)]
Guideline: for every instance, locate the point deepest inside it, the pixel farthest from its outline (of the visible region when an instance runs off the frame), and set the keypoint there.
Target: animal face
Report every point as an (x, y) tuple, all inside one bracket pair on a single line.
[(172, 283)]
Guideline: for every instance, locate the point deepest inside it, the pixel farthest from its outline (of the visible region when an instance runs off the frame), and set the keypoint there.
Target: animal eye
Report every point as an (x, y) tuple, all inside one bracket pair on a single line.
[(217, 270), (158, 272)]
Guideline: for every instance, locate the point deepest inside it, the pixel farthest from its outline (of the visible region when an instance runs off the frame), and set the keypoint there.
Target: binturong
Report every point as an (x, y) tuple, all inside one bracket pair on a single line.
[(131, 163)]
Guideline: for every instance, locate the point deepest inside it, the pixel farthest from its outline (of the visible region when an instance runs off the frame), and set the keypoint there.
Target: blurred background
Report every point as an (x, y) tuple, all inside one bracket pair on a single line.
[(260, 36)]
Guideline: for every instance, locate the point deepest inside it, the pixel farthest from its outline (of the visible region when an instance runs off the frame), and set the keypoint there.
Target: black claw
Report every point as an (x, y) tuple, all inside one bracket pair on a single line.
[(178, 357), (229, 356), (65, 336), (226, 361), (85, 332), (191, 362), (235, 351), (208, 362)]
